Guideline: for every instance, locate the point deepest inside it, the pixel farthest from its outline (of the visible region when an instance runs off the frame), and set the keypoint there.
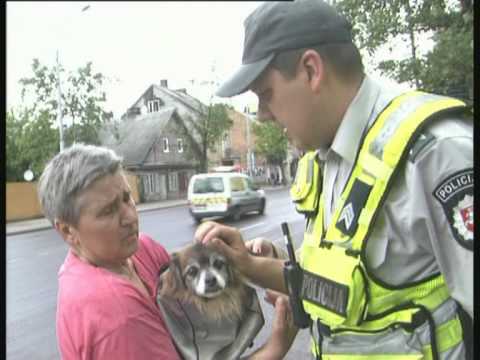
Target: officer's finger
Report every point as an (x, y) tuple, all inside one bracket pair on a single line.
[(226, 233), (203, 229), (223, 248)]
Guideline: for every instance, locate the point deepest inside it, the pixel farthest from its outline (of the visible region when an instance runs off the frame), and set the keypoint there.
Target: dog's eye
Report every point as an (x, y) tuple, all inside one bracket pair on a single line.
[(192, 271), (218, 264)]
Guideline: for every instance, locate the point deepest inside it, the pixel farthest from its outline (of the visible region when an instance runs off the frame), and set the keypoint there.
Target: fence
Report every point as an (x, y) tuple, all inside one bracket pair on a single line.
[(23, 204)]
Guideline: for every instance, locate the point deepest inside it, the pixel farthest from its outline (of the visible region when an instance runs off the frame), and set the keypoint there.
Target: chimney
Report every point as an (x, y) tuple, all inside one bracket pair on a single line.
[(164, 83)]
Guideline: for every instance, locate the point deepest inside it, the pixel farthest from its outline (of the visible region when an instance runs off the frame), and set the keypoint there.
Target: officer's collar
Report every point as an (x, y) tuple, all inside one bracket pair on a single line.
[(355, 120)]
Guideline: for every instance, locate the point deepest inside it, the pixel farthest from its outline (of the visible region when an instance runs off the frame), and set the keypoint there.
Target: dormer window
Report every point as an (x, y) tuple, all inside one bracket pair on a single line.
[(154, 105), (180, 145), (165, 145)]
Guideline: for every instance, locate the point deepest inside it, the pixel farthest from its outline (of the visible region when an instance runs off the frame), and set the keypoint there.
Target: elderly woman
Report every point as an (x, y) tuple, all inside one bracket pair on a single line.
[(107, 284)]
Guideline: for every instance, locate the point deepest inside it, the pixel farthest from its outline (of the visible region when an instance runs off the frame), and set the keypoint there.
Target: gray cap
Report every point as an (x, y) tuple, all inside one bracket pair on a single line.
[(277, 26)]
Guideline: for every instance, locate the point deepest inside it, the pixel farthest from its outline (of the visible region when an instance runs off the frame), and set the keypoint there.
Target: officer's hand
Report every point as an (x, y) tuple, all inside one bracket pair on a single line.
[(261, 247), (225, 239)]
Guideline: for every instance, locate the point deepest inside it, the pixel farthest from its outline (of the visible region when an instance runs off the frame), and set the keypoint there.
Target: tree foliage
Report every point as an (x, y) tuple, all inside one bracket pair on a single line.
[(30, 143), (446, 68), (208, 130), (83, 99), (32, 130), (270, 142)]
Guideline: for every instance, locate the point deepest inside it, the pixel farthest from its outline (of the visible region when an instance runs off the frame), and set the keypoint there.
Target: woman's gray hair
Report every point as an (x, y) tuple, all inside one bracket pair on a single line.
[(68, 174)]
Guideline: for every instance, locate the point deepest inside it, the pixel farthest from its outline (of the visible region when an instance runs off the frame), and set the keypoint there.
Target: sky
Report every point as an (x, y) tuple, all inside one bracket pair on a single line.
[(134, 44)]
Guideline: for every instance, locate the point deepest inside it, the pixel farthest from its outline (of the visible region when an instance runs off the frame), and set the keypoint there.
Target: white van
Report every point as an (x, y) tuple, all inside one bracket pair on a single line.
[(223, 194)]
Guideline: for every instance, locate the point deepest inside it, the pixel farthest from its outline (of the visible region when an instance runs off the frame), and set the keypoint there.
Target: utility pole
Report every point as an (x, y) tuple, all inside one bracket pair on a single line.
[(59, 91), (59, 106)]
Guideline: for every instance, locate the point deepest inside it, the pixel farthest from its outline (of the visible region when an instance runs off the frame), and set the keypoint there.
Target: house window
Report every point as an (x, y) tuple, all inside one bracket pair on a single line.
[(180, 145), (153, 105), (173, 181), (165, 145), (151, 183)]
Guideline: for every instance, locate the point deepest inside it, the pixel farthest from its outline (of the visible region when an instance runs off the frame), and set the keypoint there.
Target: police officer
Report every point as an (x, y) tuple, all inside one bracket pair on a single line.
[(386, 187)]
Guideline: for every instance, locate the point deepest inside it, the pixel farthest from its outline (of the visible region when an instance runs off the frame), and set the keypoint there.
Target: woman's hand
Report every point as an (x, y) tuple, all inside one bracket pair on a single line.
[(261, 247)]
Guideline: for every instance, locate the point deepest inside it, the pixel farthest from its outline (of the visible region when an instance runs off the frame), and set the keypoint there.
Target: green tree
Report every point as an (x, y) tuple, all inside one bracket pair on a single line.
[(15, 162), (449, 65), (32, 131), (204, 133), (30, 142), (270, 142), (83, 99)]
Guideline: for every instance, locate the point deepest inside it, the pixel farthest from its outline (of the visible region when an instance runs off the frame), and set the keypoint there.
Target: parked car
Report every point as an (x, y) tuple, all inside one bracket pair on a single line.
[(228, 194)]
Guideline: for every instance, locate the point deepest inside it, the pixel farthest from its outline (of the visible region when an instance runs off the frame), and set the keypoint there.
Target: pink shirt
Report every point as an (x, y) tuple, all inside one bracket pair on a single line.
[(100, 315)]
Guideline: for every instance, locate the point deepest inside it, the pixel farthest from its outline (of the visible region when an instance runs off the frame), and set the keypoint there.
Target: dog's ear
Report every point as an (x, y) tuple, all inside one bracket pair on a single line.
[(171, 280)]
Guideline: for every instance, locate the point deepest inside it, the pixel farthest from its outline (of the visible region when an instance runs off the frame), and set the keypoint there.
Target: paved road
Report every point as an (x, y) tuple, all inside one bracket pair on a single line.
[(33, 260)]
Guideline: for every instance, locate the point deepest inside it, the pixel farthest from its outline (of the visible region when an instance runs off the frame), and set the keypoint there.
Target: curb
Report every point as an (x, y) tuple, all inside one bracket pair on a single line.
[(21, 227)]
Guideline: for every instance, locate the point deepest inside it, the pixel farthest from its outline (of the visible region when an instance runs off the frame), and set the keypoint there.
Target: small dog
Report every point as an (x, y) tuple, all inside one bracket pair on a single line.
[(203, 277)]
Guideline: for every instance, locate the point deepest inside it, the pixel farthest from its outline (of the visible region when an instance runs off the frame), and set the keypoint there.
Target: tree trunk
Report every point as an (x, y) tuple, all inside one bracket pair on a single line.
[(413, 46)]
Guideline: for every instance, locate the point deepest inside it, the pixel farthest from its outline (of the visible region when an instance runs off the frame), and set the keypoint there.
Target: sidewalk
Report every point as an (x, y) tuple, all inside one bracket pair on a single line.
[(23, 226)]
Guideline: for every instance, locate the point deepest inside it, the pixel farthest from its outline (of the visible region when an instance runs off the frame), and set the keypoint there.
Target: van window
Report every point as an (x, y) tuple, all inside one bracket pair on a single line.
[(208, 185), (237, 184)]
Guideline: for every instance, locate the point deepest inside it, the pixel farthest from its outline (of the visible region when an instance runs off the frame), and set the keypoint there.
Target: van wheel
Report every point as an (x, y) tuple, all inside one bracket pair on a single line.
[(261, 211), (236, 215)]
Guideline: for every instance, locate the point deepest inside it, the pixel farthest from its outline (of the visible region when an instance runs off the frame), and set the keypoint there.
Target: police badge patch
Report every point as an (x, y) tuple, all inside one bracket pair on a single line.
[(456, 196)]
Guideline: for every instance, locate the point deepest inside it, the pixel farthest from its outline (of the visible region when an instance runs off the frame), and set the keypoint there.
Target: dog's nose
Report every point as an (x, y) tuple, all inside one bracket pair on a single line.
[(210, 280)]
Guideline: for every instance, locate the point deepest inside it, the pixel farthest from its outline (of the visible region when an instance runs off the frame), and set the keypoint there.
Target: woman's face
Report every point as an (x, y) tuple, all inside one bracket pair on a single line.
[(107, 230)]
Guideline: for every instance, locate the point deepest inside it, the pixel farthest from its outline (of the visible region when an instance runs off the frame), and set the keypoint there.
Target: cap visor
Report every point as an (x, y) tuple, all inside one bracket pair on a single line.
[(242, 79)]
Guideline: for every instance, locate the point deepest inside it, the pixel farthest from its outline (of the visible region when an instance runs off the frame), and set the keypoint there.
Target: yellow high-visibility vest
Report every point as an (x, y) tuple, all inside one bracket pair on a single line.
[(337, 288)]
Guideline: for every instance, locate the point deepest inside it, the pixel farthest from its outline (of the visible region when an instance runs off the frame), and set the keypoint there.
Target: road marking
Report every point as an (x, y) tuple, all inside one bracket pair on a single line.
[(251, 226)]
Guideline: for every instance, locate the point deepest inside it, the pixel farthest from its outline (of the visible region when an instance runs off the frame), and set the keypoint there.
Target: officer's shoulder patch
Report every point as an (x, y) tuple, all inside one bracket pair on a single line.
[(423, 141), (455, 194)]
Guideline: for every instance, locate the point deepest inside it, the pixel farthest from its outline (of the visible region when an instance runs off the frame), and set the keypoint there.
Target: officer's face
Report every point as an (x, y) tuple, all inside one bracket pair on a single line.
[(295, 106)]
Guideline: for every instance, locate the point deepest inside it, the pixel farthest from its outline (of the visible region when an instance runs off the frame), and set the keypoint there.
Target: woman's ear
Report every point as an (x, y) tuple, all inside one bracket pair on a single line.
[(314, 67), (66, 231)]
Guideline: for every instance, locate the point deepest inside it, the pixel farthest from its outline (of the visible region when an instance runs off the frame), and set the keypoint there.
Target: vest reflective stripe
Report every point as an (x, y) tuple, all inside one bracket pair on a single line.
[(384, 147), (448, 334), (430, 293)]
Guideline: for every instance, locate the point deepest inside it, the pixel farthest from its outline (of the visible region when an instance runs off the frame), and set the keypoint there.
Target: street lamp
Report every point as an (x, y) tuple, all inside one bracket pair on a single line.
[(59, 91), (59, 107)]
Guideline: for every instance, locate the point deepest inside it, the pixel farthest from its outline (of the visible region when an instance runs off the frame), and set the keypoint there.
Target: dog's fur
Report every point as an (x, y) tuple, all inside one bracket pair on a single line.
[(214, 286)]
